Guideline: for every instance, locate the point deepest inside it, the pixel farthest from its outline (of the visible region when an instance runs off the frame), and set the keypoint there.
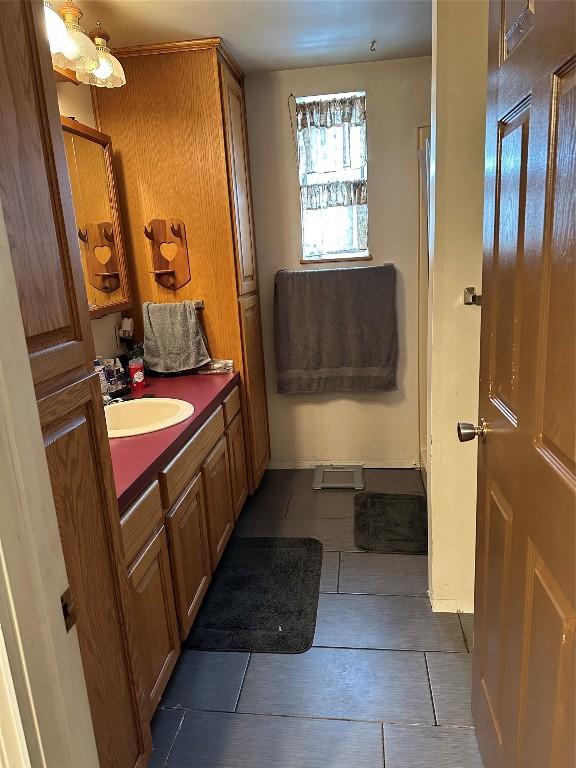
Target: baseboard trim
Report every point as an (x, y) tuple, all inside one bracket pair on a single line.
[(452, 605), (385, 464)]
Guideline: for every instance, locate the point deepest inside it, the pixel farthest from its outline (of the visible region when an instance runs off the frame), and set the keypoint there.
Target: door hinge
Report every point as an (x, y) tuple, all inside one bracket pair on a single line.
[(68, 609)]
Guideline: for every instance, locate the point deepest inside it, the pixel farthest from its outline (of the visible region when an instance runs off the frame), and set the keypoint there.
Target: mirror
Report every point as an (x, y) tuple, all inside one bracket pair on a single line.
[(89, 158)]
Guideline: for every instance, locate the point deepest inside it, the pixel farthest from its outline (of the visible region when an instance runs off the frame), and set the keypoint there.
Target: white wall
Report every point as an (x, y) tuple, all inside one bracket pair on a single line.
[(459, 61), (74, 101), (380, 429)]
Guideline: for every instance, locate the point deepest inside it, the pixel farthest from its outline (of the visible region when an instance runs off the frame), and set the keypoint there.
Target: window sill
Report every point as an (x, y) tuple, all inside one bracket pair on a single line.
[(334, 259)]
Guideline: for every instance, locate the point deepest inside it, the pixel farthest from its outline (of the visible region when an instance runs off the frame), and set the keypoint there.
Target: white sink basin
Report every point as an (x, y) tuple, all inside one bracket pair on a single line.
[(149, 414)]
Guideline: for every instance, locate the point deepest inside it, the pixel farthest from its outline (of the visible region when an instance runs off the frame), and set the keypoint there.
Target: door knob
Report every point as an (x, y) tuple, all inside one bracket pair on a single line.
[(467, 431)]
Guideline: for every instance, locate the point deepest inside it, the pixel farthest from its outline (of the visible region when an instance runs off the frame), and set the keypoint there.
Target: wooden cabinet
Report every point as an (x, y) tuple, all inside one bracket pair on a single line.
[(239, 180), (237, 459), (37, 206), (219, 512), (155, 616), (189, 554), (184, 152), (256, 409)]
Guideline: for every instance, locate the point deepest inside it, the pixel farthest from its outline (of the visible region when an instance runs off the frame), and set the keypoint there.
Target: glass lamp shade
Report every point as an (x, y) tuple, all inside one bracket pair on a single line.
[(109, 73), (80, 53), (56, 30)]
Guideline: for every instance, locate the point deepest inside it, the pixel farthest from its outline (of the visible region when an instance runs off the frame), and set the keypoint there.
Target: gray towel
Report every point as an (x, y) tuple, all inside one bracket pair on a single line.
[(336, 329), (173, 338)]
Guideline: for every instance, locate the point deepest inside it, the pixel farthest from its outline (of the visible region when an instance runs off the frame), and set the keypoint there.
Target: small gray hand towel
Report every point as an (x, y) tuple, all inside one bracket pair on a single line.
[(173, 337), (336, 329)]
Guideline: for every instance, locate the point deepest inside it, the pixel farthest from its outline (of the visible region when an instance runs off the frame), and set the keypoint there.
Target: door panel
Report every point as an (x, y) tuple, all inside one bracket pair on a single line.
[(524, 687), (37, 206), (73, 430), (189, 554), (153, 602), (219, 512), (239, 180), (237, 457), (256, 408)]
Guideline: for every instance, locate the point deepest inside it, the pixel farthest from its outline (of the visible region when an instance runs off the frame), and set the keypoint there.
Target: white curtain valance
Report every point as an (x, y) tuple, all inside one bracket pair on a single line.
[(331, 113), (334, 193)]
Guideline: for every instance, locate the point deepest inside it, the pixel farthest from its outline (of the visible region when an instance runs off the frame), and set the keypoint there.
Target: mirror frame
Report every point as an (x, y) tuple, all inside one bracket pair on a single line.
[(75, 127)]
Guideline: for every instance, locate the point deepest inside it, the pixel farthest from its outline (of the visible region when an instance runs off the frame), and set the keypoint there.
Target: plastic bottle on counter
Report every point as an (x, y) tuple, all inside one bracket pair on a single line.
[(136, 368)]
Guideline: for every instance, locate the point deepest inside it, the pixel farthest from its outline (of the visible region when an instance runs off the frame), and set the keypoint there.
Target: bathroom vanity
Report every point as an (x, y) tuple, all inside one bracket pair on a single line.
[(180, 491)]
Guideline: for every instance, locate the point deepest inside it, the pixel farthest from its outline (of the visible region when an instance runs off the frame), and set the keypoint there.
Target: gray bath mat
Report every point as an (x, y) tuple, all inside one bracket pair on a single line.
[(394, 523), (263, 598)]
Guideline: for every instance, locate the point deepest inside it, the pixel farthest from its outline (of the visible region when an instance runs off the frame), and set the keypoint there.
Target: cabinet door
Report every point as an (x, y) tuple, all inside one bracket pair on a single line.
[(189, 554), (36, 201), (219, 512), (239, 180), (153, 604), (255, 388), (237, 456)]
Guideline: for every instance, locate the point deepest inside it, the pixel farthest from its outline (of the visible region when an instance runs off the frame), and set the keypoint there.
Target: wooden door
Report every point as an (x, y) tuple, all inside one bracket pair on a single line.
[(255, 407), (153, 605), (36, 199), (524, 685), (239, 180), (237, 457), (219, 512), (189, 554)]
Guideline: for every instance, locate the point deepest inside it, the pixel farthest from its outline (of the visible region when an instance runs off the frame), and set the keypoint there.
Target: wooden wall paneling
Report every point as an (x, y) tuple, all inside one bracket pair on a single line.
[(234, 113), (170, 162), (256, 411), (87, 512)]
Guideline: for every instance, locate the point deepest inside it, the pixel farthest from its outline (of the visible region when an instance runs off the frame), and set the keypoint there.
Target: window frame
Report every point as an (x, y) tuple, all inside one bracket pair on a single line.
[(332, 256)]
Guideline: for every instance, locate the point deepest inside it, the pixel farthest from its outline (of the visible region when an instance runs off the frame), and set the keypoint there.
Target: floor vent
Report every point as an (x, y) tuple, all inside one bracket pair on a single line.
[(338, 476)]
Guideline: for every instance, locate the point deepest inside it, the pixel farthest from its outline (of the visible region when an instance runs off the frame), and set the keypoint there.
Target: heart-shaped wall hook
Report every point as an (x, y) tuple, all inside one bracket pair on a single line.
[(168, 250), (102, 253)]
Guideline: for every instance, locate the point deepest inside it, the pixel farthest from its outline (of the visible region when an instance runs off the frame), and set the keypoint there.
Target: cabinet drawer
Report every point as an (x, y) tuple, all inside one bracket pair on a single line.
[(139, 522), (178, 474), (231, 405)]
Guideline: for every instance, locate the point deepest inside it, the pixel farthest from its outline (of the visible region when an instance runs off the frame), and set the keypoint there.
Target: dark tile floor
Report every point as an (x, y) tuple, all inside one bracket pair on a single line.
[(387, 681)]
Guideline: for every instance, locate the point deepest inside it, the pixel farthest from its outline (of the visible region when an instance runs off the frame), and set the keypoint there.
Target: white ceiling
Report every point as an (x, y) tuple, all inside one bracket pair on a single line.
[(274, 34)]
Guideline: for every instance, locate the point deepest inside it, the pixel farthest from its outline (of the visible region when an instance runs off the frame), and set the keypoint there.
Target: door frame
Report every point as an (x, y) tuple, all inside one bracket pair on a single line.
[(50, 698)]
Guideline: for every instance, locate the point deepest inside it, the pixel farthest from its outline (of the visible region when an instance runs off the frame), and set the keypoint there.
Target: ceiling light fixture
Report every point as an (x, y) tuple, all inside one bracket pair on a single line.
[(109, 73), (56, 29), (80, 53)]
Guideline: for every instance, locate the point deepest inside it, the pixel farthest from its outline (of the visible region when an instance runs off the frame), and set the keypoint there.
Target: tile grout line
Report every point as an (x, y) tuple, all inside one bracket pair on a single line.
[(430, 687), (242, 683), (165, 764)]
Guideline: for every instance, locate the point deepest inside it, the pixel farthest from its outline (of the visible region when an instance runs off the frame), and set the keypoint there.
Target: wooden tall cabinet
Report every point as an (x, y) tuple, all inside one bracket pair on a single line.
[(37, 206), (179, 129)]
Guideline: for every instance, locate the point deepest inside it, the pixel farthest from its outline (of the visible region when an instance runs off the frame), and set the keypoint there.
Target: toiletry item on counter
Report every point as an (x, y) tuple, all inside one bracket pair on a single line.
[(217, 366), (136, 368), (127, 328), (99, 368)]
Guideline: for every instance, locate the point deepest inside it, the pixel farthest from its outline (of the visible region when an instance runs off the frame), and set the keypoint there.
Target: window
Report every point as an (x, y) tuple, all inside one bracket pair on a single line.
[(333, 168)]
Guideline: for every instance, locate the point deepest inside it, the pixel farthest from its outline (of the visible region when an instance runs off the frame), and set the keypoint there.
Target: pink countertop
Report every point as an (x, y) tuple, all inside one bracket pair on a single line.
[(137, 460)]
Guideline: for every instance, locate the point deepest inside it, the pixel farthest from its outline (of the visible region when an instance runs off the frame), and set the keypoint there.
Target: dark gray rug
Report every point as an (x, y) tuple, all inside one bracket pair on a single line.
[(394, 523), (263, 598)]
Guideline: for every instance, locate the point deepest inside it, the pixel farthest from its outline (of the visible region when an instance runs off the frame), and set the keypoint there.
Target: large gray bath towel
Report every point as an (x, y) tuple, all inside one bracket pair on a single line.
[(173, 337), (336, 329)]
